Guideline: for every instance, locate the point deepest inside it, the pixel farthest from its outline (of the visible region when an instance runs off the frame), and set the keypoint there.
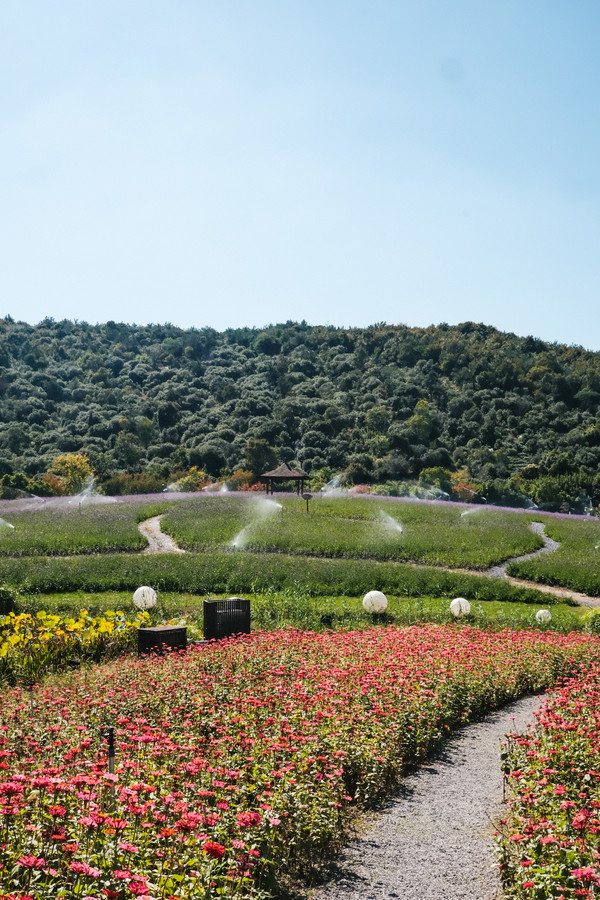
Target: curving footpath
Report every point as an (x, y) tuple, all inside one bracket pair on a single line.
[(550, 546), (433, 839), (158, 541)]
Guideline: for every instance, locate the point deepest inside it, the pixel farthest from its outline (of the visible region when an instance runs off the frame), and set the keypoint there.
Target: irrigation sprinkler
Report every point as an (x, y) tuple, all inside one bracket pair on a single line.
[(109, 735)]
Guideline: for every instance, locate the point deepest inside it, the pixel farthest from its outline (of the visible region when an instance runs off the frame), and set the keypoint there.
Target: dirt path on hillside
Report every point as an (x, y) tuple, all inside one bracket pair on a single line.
[(158, 541), (550, 546)]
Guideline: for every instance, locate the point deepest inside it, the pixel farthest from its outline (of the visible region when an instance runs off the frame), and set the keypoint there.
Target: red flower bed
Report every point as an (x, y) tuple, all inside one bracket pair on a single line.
[(550, 845), (237, 764)]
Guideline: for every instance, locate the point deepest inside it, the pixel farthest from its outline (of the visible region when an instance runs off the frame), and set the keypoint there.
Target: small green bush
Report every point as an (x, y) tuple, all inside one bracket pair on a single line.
[(8, 599)]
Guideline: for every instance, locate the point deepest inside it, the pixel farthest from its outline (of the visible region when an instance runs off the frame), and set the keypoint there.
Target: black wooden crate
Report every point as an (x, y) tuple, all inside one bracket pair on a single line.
[(222, 618), (160, 638)]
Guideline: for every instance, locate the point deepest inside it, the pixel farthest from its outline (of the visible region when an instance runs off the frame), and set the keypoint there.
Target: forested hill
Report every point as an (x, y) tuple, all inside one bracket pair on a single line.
[(383, 402)]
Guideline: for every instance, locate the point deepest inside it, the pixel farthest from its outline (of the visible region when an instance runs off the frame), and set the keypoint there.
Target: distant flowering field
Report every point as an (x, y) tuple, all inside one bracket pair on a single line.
[(550, 845), (237, 765)]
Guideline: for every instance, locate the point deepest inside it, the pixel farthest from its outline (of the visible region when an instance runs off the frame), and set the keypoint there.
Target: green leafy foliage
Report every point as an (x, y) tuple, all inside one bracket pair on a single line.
[(382, 404), (227, 572), (75, 528)]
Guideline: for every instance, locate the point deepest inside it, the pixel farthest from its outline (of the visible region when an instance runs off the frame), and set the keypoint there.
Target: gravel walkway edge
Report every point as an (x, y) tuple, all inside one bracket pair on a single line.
[(433, 839)]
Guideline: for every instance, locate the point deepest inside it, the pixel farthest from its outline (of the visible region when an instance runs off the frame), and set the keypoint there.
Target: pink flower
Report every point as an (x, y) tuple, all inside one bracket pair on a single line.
[(128, 848), (247, 820), (586, 874), (139, 888), (57, 810), (31, 862)]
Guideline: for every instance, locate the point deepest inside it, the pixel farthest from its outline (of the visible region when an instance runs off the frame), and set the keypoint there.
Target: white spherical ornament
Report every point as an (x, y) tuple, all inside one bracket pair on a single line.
[(460, 607), (144, 597), (543, 616), (375, 602)]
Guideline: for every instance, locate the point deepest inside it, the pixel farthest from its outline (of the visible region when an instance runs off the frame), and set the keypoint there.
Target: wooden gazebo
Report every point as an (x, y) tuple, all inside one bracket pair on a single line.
[(285, 473)]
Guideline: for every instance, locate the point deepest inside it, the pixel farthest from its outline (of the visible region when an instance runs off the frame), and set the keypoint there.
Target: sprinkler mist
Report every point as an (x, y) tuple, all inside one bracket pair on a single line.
[(389, 523), (334, 487), (261, 508), (90, 494)]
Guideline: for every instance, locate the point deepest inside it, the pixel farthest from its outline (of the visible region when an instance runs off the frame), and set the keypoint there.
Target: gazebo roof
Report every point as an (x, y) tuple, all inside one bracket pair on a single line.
[(284, 471)]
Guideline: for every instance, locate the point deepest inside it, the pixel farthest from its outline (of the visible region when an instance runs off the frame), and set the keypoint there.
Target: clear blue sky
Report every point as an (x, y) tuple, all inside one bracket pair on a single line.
[(233, 163)]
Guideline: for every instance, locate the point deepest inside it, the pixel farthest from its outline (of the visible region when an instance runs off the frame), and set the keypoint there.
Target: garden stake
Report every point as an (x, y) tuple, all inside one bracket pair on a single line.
[(109, 735)]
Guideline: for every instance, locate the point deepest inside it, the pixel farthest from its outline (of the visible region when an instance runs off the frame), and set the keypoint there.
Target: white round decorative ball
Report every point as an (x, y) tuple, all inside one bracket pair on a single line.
[(144, 597), (543, 616), (375, 602), (460, 607)]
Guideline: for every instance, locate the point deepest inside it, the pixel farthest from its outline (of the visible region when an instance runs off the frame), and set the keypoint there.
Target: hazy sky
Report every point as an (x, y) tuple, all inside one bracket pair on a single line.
[(233, 163)]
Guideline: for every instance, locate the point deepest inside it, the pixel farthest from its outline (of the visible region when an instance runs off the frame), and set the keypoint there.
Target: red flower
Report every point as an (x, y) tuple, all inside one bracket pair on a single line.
[(246, 820), (57, 810), (217, 851), (139, 888)]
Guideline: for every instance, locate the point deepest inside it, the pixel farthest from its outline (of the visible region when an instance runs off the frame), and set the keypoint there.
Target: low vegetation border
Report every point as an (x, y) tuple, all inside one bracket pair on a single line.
[(242, 572)]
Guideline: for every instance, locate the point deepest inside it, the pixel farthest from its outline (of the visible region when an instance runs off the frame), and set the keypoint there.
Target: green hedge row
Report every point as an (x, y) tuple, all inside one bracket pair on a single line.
[(243, 572)]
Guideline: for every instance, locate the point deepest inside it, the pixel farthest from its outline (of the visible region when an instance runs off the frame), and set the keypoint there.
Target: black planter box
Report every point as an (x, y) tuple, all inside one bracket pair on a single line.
[(161, 638), (224, 618)]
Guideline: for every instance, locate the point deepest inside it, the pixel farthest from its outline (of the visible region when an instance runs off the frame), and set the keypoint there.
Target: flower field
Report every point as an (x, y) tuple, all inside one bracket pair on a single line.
[(575, 563), (550, 845), (32, 645), (238, 764), (354, 528), (70, 529)]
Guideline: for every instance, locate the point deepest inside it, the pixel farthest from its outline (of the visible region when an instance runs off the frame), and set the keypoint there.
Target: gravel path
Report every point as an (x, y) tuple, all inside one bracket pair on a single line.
[(549, 547), (433, 839), (158, 541)]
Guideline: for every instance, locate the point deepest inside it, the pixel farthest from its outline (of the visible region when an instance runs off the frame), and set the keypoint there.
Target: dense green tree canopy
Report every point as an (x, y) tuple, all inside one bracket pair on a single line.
[(382, 402)]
